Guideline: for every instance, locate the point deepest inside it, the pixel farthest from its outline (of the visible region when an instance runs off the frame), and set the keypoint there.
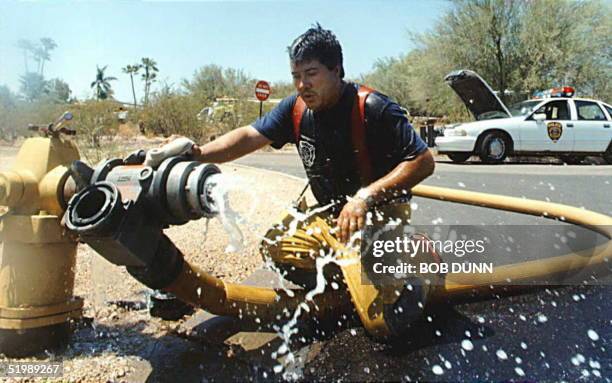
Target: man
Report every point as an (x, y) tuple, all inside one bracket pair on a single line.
[(332, 157), (361, 157)]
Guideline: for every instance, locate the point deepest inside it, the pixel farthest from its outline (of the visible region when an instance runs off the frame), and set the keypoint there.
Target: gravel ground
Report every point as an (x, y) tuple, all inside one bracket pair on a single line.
[(116, 338)]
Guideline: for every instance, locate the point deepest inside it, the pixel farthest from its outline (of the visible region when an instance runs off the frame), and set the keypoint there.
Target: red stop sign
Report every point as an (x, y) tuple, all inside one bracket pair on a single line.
[(262, 90)]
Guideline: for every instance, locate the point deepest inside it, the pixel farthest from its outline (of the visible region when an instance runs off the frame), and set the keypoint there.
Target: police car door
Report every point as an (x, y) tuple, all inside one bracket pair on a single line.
[(592, 127), (549, 128)]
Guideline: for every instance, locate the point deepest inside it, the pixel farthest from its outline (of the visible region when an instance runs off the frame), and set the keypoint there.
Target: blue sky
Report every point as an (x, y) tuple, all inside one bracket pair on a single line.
[(183, 36)]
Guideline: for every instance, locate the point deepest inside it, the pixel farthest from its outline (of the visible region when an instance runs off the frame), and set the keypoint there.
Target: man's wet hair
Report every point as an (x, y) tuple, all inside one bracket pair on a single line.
[(317, 44)]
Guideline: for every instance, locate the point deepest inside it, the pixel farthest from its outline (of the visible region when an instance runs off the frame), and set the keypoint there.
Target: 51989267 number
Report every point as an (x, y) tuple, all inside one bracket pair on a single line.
[(31, 369)]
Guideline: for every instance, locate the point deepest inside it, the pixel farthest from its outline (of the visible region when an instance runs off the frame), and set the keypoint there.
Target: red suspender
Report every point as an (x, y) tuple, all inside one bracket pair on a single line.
[(298, 111), (358, 135), (358, 131)]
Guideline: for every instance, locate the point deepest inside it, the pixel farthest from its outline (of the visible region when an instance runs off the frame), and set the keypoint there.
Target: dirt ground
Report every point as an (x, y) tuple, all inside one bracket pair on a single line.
[(117, 340)]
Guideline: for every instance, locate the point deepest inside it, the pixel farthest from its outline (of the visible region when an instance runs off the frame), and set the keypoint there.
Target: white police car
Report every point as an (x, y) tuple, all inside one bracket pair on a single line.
[(556, 125)]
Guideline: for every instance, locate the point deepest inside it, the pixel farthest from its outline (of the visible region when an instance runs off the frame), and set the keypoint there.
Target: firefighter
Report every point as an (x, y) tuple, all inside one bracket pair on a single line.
[(361, 156), (325, 136)]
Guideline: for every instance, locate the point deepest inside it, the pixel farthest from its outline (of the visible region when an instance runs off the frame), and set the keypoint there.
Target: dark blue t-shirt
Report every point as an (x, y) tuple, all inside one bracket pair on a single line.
[(325, 144)]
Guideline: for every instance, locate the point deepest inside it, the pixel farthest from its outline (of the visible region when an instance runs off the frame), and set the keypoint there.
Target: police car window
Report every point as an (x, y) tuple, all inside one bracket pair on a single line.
[(555, 110), (609, 110), (589, 111)]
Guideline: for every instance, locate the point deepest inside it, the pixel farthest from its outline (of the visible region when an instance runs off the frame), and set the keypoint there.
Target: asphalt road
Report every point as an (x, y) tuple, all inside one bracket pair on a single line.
[(557, 334)]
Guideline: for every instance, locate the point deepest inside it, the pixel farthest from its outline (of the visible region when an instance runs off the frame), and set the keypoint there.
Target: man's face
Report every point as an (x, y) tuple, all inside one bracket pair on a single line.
[(318, 86)]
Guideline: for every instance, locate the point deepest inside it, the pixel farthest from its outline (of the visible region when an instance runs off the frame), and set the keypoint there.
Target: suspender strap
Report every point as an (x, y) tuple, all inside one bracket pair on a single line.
[(358, 135), (298, 111), (358, 131)]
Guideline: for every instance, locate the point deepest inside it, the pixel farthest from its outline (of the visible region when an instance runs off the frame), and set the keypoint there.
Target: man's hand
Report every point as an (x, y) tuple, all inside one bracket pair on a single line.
[(351, 218)]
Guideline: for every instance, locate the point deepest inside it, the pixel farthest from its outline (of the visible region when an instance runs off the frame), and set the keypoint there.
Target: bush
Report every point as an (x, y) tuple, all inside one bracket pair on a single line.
[(171, 113), (96, 123)]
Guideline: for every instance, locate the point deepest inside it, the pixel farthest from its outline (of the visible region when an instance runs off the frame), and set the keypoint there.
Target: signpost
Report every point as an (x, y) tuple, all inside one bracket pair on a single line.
[(262, 92)]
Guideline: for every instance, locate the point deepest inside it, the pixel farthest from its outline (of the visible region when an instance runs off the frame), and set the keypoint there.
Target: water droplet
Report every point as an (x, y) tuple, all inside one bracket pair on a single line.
[(501, 354), (448, 365), (585, 373), (593, 335), (467, 345), (594, 364), (283, 349), (334, 286), (353, 332), (542, 318), (519, 371), (366, 370), (481, 319), (518, 360), (436, 369), (278, 368), (524, 345), (575, 297), (461, 184)]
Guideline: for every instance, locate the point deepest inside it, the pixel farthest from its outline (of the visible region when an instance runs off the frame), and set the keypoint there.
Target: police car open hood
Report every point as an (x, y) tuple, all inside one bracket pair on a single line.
[(477, 95)]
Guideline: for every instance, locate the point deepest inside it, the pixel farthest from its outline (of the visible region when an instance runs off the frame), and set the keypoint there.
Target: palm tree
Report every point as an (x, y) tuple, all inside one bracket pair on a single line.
[(132, 70), (102, 86), (46, 46), (27, 47), (149, 75)]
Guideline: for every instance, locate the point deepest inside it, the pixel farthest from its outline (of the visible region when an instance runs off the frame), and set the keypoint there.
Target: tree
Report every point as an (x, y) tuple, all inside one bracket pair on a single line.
[(516, 46), (43, 52), (27, 48), (132, 70), (150, 73), (8, 99), (101, 85), (58, 90), (213, 81), (33, 86)]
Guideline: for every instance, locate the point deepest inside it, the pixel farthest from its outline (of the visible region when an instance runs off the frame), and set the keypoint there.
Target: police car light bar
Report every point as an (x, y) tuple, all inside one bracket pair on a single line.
[(564, 91)]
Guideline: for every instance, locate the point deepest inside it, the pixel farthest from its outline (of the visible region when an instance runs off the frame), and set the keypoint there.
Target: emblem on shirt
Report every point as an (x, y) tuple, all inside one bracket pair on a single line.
[(307, 153), (555, 130)]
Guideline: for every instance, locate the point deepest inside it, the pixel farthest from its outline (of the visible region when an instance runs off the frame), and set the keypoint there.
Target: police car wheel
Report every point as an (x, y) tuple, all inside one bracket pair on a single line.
[(459, 157), (494, 148)]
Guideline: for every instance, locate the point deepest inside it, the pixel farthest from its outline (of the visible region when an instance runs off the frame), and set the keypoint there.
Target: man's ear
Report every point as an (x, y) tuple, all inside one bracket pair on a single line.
[(338, 70)]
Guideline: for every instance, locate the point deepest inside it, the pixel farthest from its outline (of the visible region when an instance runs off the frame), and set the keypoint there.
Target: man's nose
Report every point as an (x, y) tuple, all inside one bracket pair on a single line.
[(303, 84)]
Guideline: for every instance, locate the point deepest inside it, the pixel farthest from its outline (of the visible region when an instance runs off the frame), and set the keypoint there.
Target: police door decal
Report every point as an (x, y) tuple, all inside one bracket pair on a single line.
[(555, 130)]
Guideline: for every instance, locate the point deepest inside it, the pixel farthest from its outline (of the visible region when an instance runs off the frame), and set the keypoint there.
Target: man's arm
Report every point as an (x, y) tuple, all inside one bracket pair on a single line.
[(231, 146), (402, 178)]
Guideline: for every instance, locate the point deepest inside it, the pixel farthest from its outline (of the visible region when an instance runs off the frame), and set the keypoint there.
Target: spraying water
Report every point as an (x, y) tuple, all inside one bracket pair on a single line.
[(219, 187)]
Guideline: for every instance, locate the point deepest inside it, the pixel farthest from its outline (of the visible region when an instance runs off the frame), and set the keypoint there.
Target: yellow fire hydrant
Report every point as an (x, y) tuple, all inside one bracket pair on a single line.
[(37, 256)]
